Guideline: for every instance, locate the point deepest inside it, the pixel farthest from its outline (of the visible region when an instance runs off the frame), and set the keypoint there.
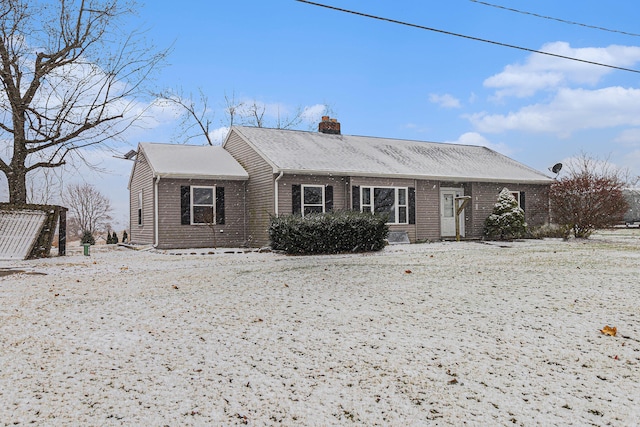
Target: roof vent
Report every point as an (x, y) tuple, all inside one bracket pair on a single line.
[(329, 125)]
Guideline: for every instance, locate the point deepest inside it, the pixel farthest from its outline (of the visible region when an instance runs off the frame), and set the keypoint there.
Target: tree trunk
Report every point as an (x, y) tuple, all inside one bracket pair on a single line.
[(17, 187)]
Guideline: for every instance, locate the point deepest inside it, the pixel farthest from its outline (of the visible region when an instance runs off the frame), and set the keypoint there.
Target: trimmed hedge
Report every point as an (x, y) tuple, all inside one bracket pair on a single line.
[(329, 233)]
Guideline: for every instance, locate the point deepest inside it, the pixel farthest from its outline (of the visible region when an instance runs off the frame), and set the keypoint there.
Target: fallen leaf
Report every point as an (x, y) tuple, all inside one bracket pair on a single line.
[(608, 330)]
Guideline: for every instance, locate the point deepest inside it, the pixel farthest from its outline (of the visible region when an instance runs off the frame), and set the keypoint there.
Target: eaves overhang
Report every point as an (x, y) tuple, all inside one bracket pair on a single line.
[(454, 178)]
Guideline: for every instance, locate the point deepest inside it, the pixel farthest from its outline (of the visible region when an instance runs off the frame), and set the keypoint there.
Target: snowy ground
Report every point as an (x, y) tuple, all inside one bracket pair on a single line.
[(442, 334)]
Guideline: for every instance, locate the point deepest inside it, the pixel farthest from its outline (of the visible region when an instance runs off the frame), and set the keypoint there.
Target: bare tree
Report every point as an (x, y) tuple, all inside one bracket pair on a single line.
[(252, 113), (590, 196), (89, 210), (45, 186), (199, 116), (69, 77), (196, 114)]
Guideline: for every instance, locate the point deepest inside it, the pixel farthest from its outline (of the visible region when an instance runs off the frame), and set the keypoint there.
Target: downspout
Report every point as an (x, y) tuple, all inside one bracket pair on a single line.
[(275, 192), (155, 212), (244, 215)]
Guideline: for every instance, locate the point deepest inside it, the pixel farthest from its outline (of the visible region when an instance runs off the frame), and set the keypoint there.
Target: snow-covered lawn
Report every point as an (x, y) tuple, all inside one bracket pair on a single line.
[(443, 334)]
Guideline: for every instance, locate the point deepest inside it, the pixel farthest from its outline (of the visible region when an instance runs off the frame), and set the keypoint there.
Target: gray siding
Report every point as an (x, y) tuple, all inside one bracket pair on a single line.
[(392, 182), (485, 196), (173, 234), (341, 192), (260, 189), (141, 180), (427, 210)]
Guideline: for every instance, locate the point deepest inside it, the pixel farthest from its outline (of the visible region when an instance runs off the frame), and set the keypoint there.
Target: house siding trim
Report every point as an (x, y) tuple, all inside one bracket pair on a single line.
[(260, 187), (174, 234), (402, 176), (141, 181)]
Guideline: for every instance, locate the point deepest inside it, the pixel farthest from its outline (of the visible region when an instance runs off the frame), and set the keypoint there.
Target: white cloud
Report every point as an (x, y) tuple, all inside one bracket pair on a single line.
[(599, 164), (444, 101), (541, 72), (313, 113), (474, 138), (218, 135), (629, 137), (569, 111)]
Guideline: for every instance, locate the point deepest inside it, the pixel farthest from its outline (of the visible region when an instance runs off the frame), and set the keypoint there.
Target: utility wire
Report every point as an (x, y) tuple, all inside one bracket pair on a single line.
[(554, 19), (421, 27)]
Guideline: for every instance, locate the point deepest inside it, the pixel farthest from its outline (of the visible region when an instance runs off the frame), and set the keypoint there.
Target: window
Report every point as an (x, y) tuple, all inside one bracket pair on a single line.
[(202, 205), (390, 201), (140, 208), (448, 209), (312, 199), (519, 196), (308, 199)]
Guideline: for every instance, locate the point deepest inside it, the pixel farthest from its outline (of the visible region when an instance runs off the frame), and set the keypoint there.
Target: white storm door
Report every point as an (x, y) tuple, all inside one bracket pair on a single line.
[(448, 212)]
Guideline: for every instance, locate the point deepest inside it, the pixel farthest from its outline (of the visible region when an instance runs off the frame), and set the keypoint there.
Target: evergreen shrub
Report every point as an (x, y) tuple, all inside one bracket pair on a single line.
[(329, 233), (507, 219), (87, 238)]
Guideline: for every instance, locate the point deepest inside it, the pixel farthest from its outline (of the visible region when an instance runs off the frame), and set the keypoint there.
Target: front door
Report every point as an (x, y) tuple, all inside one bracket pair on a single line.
[(448, 212)]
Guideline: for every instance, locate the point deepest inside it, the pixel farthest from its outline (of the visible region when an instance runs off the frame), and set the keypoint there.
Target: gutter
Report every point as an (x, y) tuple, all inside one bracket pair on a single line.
[(422, 177), (155, 212), (275, 192)]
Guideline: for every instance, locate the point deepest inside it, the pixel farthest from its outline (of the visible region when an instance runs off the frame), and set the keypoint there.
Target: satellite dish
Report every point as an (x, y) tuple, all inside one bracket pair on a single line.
[(129, 156), (556, 168)]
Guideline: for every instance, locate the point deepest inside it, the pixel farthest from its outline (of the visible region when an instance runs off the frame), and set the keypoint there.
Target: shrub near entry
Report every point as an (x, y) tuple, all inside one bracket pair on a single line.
[(507, 219), (330, 233)]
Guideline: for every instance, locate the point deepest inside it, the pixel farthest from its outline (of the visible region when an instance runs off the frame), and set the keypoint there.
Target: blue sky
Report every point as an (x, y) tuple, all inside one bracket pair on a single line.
[(389, 80)]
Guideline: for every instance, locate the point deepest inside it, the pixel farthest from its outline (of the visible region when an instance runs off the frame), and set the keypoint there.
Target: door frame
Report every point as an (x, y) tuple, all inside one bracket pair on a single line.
[(456, 192)]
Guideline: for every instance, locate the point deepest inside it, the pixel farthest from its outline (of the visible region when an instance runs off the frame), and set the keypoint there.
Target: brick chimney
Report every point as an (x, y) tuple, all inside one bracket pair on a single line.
[(329, 125)]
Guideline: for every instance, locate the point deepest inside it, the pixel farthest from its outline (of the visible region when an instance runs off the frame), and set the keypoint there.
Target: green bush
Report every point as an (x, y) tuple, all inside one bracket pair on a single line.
[(87, 238), (330, 233), (550, 231), (507, 219)]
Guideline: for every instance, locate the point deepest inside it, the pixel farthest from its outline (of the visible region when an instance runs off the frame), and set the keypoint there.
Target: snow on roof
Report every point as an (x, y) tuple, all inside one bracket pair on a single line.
[(192, 161), (318, 153)]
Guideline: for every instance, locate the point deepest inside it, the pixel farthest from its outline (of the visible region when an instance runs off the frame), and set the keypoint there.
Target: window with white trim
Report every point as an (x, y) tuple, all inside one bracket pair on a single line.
[(312, 199), (392, 201), (202, 205), (516, 195)]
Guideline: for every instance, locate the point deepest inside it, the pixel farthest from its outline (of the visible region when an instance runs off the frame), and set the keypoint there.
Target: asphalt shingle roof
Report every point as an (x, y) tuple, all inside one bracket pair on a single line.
[(192, 161), (318, 153)]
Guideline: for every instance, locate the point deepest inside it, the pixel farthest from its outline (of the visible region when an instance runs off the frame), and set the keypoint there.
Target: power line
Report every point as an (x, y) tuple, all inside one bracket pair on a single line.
[(554, 19), (421, 27)]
